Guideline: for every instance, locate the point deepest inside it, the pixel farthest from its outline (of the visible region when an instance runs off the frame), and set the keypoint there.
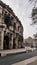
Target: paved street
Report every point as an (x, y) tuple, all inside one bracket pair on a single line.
[(8, 60), (33, 63), (30, 61)]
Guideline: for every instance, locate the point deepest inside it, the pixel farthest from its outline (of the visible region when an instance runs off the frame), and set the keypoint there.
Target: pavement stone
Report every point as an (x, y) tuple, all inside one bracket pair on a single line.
[(31, 61)]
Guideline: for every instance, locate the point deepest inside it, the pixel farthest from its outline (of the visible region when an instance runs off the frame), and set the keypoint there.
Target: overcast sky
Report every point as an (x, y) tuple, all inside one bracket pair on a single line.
[(23, 8)]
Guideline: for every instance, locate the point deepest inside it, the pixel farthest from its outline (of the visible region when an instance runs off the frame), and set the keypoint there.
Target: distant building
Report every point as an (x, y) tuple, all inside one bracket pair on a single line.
[(11, 29), (29, 42)]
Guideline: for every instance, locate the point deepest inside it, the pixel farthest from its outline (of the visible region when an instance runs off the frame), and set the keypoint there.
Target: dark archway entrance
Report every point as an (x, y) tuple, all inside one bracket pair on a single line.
[(6, 42)]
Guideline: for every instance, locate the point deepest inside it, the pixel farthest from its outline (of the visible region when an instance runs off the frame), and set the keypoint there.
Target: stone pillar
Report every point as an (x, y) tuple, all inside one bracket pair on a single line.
[(11, 42), (2, 38), (2, 29), (16, 41)]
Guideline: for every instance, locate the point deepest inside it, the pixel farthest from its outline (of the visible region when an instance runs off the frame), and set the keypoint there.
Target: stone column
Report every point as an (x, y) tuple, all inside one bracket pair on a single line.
[(16, 41), (2, 38), (11, 42), (2, 29)]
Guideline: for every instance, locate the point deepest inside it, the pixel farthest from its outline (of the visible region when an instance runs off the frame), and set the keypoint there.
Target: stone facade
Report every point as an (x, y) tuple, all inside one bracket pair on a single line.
[(29, 42), (11, 29)]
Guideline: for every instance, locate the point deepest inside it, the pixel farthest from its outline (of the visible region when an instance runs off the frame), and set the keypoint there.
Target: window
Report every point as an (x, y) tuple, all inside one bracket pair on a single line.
[(14, 25), (18, 28), (7, 20)]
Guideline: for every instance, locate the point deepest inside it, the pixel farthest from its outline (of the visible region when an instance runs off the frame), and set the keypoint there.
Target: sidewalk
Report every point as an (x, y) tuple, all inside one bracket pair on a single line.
[(13, 51), (33, 63), (27, 62)]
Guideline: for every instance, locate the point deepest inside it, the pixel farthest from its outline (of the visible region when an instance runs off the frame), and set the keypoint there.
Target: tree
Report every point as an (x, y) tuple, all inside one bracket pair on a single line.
[(34, 12)]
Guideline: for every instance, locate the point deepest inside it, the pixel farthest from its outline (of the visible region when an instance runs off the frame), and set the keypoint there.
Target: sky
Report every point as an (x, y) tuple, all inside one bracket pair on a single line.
[(23, 9)]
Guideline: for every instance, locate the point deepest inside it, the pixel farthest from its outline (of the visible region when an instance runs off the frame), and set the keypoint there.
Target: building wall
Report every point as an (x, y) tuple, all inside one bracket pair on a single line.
[(29, 42), (11, 29)]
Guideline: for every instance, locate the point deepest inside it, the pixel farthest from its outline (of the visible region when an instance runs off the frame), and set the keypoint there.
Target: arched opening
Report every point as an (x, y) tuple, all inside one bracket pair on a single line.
[(7, 19), (6, 42), (14, 26)]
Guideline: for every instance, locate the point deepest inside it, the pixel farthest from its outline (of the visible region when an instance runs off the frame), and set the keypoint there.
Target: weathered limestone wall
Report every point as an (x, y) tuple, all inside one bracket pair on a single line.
[(13, 27)]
